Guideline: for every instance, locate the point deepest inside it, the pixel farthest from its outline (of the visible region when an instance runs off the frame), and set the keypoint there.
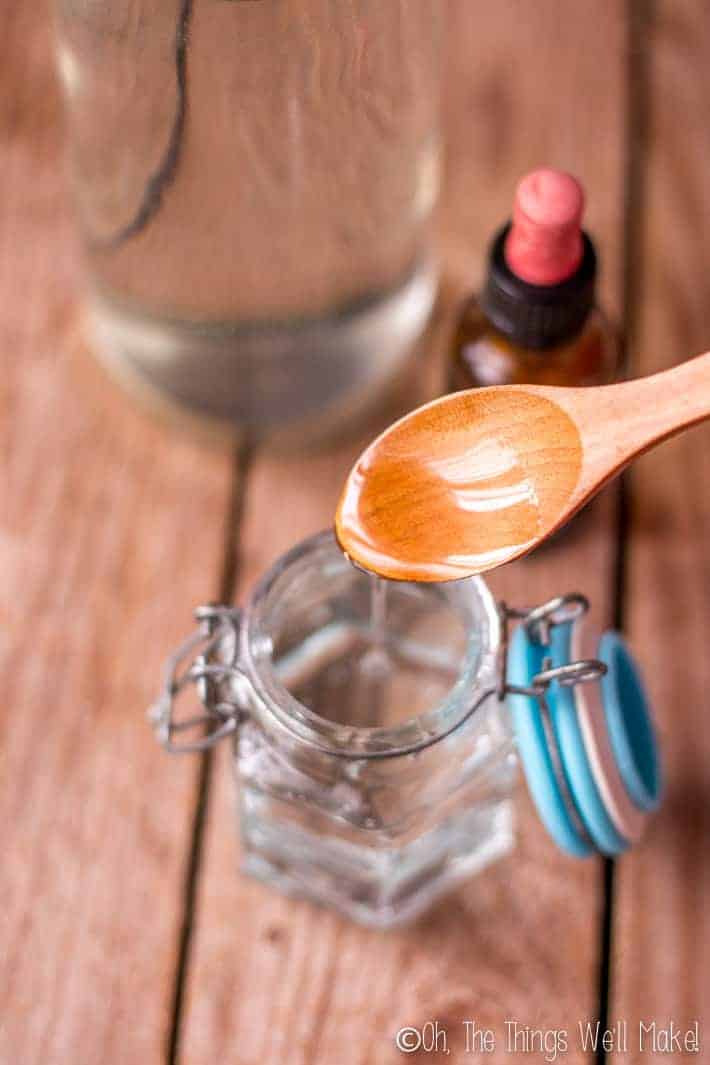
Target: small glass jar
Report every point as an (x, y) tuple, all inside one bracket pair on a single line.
[(374, 750), (364, 779)]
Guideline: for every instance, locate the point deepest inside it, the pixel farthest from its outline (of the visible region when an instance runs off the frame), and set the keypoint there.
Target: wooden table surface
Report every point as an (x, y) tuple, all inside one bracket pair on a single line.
[(126, 934)]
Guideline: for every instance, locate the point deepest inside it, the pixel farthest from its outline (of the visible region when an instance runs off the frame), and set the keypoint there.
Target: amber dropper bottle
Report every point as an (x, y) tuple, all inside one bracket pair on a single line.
[(536, 320)]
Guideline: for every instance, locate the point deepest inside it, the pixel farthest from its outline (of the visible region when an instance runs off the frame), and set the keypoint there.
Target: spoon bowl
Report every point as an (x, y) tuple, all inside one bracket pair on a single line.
[(477, 478)]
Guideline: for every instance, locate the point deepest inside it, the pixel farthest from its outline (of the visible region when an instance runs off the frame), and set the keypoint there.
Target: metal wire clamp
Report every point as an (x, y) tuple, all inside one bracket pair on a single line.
[(220, 682), (214, 672)]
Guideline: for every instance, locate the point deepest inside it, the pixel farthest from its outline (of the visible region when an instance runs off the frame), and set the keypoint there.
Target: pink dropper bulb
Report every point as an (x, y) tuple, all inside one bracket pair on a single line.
[(544, 245)]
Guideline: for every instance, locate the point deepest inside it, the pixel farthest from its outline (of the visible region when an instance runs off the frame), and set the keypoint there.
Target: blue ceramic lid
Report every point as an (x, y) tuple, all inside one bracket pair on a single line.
[(562, 777)]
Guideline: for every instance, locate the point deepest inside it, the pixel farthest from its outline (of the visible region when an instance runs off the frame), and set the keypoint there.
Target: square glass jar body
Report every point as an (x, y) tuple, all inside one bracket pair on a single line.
[(375, 764)]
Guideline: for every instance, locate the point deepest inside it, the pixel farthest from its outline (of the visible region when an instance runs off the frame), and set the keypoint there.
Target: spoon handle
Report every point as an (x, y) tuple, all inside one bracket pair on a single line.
[(620, 422), (669, 401)]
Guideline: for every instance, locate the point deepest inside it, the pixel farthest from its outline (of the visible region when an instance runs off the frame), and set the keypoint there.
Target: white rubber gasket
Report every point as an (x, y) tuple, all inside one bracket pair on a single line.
[(626, 817)]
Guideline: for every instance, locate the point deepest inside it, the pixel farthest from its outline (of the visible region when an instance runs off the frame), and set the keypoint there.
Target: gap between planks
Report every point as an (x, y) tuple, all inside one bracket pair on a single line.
[(229, 575), (634, 199)]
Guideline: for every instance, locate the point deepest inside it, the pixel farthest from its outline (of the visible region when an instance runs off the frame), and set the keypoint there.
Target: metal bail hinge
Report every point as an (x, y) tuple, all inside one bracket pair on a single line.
[(539, 621), (216, 675)]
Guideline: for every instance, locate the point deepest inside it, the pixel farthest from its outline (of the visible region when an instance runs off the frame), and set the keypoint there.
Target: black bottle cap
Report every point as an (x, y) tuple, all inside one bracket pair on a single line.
[(538, 316)]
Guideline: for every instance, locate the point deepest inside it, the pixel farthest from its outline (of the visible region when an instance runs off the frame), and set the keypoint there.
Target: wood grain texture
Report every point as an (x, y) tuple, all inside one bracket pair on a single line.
[(662, 930), (109, 533), (274, 980)]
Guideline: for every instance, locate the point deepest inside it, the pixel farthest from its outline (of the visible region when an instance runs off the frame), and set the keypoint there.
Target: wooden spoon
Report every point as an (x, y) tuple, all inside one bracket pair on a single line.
[(477, 478)]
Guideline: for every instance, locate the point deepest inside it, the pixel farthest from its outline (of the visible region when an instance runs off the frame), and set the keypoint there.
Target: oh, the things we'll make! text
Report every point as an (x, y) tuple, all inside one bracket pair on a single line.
[(514, 1037)]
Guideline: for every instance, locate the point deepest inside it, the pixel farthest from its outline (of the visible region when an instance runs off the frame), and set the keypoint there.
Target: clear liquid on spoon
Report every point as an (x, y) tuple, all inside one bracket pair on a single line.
[(459, 486)]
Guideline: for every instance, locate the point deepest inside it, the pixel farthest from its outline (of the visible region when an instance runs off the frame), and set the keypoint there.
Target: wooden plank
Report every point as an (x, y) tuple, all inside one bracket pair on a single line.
[(110, 530), (661, 933), (275, 980)]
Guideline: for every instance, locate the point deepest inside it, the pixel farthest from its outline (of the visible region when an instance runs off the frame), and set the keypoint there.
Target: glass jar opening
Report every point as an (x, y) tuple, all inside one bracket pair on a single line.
[(361, 667)]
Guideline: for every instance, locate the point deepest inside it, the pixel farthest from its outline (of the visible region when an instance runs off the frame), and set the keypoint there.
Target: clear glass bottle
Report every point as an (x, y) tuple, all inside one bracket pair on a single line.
[(254, 183)]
